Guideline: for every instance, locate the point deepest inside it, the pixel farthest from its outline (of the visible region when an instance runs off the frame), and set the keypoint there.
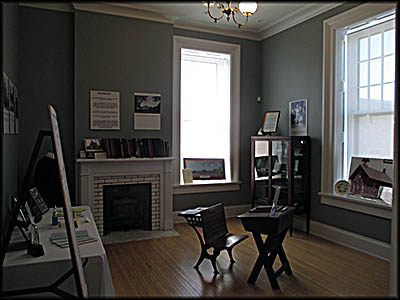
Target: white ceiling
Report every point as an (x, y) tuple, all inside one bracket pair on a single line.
[(269, 19)]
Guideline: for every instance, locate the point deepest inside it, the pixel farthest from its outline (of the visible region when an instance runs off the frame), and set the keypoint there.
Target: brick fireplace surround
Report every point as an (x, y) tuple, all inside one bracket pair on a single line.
[(94, 174)]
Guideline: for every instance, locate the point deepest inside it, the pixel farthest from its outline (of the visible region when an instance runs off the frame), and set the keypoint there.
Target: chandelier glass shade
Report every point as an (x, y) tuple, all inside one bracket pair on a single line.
[(247, 9)]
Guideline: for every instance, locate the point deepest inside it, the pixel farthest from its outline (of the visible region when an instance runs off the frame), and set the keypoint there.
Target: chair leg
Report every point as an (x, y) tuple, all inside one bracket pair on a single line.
[(230, 255), (201, 258), (214, 264)]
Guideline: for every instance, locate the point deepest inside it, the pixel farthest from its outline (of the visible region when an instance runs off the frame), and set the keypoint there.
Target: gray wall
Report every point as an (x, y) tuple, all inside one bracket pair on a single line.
[(292, 69), (132, 55), (9, 143), (46, 76), (126, 55)]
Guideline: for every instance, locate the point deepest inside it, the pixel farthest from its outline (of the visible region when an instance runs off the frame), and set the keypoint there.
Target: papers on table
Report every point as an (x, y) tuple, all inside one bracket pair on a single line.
[(60, 238)]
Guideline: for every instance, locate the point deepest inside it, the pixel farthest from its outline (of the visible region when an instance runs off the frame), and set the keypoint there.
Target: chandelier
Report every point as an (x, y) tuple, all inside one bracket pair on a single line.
[(245, 8)]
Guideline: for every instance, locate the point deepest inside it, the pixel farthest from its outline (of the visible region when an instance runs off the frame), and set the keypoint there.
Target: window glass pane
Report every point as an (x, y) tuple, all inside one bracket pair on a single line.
[(388, 92), (388, 68), (363, 93), (375, 75), (376, 45), (368, 128), (375, 92), (363, 73), (388, 43), (364, 49)]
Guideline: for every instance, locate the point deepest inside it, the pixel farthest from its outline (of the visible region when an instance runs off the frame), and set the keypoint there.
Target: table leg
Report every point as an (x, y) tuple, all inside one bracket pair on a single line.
[(268, 251), (263, 249), (284, 261), (270, 271)]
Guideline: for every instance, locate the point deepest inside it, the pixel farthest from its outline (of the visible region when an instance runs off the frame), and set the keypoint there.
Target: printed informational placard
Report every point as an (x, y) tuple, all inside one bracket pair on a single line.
[(104, 110), (147, 111), (9, 101)]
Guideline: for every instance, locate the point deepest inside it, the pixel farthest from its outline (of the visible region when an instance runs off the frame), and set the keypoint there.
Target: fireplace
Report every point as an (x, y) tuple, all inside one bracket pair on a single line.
[(127, 207), (96, 174)]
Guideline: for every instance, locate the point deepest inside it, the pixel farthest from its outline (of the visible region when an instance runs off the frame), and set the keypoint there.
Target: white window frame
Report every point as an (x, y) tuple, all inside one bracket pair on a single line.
[(332, 137), (206, 186)]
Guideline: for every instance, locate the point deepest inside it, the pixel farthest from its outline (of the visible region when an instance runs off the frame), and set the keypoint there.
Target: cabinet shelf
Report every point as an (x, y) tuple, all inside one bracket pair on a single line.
[(282, 161)]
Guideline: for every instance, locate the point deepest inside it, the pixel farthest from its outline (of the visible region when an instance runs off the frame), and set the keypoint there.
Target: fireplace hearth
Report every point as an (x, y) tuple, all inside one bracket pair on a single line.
[(127, 207)]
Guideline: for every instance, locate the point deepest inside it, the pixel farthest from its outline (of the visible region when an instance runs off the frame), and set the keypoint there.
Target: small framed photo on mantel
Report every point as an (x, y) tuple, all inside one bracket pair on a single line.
[(270, 122)]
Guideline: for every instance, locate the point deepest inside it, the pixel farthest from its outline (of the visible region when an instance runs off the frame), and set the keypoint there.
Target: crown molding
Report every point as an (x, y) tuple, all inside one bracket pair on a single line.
[(120, 10), (58, 6), (232, 33), (303, 14)]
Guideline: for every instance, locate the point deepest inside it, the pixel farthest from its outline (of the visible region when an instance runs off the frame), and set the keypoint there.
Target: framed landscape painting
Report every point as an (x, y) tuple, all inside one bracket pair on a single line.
[(206, 168)]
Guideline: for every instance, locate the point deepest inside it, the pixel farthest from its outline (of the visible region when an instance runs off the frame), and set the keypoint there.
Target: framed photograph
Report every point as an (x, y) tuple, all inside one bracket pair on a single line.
[(93, 145), (270, 122), (298, 117), (205, 168)]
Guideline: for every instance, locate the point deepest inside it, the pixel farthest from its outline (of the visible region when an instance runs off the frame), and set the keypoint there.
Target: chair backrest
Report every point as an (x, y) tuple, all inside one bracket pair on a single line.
[(214, 223)]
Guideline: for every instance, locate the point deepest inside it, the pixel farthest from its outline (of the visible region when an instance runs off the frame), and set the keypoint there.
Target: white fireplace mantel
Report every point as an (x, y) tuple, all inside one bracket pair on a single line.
[(119, 171)]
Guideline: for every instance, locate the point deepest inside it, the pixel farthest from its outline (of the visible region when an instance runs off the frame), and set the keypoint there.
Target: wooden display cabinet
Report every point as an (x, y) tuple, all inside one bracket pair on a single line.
[(282, 161)]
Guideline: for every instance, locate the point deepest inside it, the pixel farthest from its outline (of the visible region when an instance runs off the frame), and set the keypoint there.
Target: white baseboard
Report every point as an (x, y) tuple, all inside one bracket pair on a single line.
[(346, 238)]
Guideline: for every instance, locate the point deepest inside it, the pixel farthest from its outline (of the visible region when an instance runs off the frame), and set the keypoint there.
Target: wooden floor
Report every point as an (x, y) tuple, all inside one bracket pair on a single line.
[(163, 267)]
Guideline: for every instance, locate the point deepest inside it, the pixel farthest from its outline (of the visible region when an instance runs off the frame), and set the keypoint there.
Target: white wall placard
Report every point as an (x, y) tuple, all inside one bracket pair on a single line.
[(147, 111), (104, 110)]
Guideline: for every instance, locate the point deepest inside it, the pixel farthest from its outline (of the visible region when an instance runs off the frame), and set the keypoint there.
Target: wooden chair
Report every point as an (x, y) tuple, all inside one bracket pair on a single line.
[(216, 235)]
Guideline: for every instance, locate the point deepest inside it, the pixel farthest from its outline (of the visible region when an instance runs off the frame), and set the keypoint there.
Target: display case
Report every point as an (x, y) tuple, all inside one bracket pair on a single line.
[(282, 161)]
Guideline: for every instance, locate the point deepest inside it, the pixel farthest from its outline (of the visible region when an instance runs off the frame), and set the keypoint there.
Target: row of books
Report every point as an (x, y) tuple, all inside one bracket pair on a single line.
[(135, 147)]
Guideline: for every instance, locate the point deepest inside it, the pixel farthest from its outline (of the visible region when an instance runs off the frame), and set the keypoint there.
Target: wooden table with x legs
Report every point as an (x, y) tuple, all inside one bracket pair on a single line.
[(275, 228)]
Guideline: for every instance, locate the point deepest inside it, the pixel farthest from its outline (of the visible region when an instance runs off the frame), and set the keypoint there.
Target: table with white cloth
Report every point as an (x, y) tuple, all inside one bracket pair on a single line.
[(21, 270)]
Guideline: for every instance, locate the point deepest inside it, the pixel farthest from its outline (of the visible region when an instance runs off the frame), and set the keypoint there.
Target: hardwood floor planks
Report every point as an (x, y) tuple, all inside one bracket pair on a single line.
[(163, 267)]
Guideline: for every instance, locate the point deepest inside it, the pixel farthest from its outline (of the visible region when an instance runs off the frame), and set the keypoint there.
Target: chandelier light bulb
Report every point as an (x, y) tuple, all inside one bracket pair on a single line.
[(248, 8)]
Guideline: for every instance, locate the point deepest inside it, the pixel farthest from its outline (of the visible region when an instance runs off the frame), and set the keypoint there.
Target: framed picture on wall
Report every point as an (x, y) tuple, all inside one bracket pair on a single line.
[(298, 117)]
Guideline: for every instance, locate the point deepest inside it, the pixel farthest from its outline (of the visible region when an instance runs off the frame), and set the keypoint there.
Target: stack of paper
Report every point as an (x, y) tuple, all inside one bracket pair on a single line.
[(60, 238)]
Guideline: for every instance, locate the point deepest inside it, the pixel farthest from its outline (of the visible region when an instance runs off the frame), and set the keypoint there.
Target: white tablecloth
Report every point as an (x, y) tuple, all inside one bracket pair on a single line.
[(20, 270)]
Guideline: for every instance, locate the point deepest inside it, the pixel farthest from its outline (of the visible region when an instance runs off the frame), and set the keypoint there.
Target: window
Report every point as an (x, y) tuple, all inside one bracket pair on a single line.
[(369, 93), (358, 90), (206, 109)]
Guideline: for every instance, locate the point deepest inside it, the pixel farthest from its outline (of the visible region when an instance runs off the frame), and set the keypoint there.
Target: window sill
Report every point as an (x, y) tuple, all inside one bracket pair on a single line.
[(206, 186), (371, 207)]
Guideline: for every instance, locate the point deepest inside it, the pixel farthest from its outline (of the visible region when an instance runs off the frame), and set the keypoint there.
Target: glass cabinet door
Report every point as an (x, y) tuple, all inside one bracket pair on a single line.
[(271, 170)]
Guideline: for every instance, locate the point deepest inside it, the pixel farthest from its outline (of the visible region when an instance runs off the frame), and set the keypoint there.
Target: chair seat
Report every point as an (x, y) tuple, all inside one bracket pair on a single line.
[(228, 241), (234, 239)]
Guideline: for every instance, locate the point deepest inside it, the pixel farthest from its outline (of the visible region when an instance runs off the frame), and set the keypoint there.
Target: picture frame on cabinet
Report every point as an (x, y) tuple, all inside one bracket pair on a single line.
[(270, 122)]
